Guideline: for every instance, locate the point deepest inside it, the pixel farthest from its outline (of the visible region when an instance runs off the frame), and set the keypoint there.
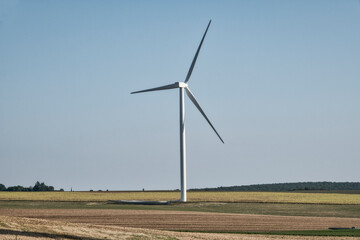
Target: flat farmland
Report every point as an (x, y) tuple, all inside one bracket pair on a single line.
[(180, 220), (33, 229), (281, 209), (250, 197), (216, 212)]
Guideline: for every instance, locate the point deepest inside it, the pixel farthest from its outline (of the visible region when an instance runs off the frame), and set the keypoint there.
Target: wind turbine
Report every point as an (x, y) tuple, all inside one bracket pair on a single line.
[(184, 86)]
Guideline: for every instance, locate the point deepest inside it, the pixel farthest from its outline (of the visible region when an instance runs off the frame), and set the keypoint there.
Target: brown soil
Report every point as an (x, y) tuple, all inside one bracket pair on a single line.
[(175, 220), (31, 229)]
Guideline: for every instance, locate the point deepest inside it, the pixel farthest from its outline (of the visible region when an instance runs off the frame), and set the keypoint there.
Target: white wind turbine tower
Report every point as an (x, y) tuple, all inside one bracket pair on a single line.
[(182, 86)]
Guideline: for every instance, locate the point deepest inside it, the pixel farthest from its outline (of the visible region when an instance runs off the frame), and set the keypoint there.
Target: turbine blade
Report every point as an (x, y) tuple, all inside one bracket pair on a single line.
[(170, 86), (196, 55), (192, 98)]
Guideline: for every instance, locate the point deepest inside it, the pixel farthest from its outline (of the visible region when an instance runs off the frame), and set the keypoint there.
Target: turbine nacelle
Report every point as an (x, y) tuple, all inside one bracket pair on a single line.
[(181, 84)]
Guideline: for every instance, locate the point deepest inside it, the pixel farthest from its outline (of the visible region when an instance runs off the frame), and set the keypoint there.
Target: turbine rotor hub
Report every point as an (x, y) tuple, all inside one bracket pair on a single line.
[(181, 84)]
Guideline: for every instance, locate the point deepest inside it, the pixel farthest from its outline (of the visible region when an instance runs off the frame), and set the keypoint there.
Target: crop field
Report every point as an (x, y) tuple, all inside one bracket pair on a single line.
[(207, 215), (280, 209), (255, 197), (12, 228), (184, 221)]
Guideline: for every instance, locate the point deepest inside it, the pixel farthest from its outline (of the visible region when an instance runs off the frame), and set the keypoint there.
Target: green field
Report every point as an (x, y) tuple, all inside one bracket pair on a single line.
[(248, 197), (283, 209), (334, 233)]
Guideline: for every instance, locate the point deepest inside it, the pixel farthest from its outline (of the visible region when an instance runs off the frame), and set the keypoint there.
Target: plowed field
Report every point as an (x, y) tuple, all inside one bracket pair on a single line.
[(176, 220), (34, 229)]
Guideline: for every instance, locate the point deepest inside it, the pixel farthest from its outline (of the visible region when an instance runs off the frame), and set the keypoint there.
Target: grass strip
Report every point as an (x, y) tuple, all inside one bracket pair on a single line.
[(333, 233)]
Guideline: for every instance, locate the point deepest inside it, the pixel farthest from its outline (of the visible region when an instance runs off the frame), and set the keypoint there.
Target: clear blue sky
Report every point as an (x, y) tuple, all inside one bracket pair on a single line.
[(280, 81)]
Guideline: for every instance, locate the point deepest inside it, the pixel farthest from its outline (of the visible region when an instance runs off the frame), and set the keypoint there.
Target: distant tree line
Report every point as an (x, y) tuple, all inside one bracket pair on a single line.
[(38, 187), (285, 187)]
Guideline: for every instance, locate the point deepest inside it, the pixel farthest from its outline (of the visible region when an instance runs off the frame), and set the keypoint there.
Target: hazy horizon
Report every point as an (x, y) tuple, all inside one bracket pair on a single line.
[(177, 189)]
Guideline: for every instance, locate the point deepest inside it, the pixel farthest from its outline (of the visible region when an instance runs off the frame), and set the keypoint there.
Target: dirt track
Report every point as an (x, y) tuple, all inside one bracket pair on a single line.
[(175, 220)]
